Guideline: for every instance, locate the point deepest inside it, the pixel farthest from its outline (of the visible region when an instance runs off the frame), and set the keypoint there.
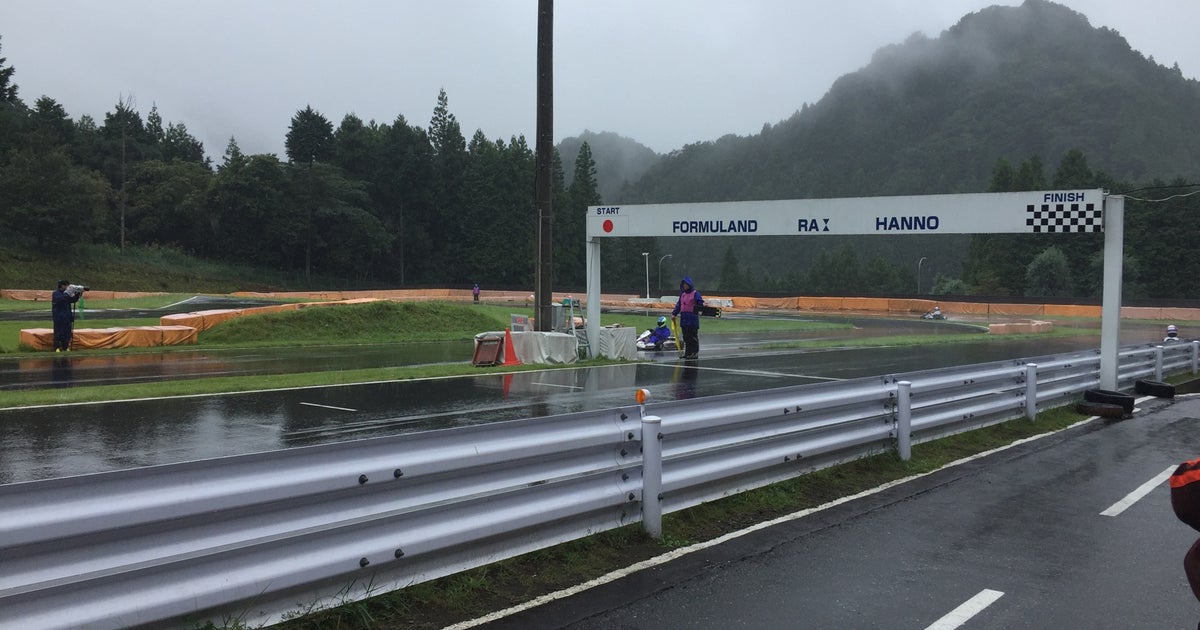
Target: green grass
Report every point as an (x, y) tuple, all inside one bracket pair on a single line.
[(354, 324), (142, 302), (139, 268)]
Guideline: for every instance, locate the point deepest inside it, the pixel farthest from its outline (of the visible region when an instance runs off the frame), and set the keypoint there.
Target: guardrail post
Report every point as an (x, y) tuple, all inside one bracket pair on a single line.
[(652, 476), (651, 468), (1195, 357), (1158, 363), (1031, 390), (904, 419)]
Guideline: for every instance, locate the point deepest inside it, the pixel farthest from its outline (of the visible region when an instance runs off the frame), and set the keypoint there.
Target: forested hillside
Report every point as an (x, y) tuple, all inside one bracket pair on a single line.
[(1024, 84), (1009, 98), (390, 203), (620, 161)]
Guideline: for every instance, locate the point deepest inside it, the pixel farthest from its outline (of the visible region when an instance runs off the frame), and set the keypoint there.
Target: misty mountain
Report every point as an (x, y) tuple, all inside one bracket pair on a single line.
[(934, 115), (619, 160)]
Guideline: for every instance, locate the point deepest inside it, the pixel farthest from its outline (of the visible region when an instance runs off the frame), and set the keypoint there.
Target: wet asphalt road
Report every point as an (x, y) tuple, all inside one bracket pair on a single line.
[(64, 440), (1022, 528)]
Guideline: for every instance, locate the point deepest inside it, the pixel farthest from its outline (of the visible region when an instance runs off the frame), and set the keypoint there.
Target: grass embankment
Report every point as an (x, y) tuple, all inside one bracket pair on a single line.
[(372, 323), (139, 268), (497, 586)]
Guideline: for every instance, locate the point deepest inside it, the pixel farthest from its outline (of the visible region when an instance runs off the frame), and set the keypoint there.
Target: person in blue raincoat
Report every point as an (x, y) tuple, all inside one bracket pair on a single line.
[(686, 307), (659, 334)]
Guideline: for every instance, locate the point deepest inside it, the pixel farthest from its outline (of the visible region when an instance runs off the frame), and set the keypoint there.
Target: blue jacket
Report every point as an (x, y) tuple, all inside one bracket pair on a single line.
[(60, 306), (685, 306), (659, 334)]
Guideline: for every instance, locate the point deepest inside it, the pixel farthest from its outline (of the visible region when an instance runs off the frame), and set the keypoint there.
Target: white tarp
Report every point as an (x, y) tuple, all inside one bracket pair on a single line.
[(544, 347), (618, 343)]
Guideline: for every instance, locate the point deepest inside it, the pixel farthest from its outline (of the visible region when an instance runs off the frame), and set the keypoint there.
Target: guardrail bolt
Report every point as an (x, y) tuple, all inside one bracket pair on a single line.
[(397, 473), (362, 562), (629, 436), (399, 553), (624, 417), (624, 476), (632, 496), (362, 479), (624, 452)]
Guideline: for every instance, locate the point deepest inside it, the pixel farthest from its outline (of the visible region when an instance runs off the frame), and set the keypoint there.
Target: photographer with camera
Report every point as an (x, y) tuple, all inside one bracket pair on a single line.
[(64, 319)]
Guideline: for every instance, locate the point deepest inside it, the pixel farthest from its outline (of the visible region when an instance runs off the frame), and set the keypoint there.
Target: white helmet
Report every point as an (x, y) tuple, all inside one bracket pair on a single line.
[(662, 321), (1172, 329)]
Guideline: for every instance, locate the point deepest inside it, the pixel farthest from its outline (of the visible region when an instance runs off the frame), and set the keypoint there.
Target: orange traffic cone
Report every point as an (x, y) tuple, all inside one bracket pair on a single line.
[(510, 353)]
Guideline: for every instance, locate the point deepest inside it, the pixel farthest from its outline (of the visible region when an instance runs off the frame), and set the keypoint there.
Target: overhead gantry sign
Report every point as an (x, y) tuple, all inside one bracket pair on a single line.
[(1037, 212)]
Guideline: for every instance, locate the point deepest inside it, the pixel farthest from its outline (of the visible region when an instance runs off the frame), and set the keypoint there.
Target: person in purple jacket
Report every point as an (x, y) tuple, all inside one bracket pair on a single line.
[(686, 307)]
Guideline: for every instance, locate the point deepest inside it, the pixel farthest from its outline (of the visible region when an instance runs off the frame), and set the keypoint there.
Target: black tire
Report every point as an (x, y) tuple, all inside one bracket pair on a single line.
[(1110, 397), (1158, 389), (1104, 410)]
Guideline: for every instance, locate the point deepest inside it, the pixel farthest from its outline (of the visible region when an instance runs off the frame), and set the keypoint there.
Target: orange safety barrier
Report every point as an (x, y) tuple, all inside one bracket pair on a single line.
[(1181, 314), (96, 338), (910, 306), (1071, 310), (1017, 310), (963, 308), (865, 304)]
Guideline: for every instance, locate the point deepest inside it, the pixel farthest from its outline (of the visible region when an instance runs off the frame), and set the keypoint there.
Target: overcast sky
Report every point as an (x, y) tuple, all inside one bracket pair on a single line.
[(663, 72)]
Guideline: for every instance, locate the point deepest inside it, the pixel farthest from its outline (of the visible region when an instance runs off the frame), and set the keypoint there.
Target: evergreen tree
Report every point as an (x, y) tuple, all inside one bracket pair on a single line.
[(449, 170), (1048, 274), (309, 138), (570, 229)]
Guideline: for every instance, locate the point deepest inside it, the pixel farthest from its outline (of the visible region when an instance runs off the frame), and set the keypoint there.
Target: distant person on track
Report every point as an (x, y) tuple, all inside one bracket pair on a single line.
[(1172, 334), (475, 292), (686, 307), (64, 319)]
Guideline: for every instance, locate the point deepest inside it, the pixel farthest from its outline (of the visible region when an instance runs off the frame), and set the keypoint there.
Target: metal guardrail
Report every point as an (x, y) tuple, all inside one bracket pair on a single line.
[(256, 537)]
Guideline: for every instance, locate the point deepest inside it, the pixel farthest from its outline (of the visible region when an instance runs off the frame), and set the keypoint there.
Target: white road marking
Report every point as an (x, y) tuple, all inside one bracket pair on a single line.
[(328, 406), (557, 385), (683, 551), (966, 610), (1142, 490)]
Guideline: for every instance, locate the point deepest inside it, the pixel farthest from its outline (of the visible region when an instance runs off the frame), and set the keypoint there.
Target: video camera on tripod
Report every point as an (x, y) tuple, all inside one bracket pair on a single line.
[(75, 289)]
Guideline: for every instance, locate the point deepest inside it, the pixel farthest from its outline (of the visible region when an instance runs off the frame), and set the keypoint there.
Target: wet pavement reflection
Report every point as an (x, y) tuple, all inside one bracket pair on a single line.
[(45, 442)]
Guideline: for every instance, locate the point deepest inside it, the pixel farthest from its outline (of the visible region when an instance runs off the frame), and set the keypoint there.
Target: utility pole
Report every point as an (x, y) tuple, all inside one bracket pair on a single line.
[(543, 273), (124, 122)]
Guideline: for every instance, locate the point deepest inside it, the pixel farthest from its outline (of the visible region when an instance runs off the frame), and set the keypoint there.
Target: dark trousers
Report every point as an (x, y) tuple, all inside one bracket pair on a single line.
[(691, 340), (62, 335)]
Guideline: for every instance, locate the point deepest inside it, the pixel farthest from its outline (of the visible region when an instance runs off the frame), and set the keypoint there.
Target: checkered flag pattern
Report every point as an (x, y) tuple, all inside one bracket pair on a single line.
[(1061, 218)]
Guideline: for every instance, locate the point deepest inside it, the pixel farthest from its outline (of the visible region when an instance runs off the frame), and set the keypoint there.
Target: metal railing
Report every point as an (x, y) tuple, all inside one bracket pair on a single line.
[(257, 537)]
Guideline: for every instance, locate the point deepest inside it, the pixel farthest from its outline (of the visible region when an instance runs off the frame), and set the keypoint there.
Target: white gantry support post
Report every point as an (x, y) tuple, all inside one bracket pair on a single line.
[(651, 468), (1195, 357), (1158, 374), (1110, 309), (904, 419), (1031, 390), (592, 325)]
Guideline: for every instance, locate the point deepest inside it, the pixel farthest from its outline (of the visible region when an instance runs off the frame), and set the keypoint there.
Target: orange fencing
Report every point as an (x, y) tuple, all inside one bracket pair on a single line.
[(93, 338)]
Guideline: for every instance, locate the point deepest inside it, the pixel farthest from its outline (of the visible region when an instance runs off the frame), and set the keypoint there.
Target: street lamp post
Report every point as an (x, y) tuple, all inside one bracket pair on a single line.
[(660, 271), (646, 257), (919, 263)]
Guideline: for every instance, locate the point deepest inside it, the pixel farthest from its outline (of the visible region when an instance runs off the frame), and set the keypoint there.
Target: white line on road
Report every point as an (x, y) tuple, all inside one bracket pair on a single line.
[(557, 385), (327, 406), (679, 552), (966, 610), (1142, 491)]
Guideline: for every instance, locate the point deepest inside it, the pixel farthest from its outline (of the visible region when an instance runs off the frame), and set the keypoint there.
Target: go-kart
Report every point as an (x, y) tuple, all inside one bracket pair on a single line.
[(644, 342), (933, 315)]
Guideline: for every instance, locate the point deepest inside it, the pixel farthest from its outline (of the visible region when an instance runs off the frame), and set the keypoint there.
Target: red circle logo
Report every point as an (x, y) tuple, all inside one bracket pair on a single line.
[(608, 226)]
